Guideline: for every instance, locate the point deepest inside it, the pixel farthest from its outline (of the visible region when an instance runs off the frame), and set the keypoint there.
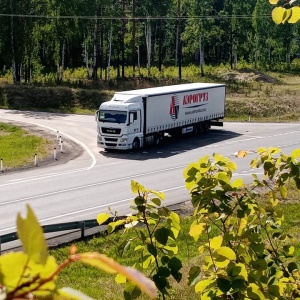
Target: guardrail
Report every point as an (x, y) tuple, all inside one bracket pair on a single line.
[(82, 225)]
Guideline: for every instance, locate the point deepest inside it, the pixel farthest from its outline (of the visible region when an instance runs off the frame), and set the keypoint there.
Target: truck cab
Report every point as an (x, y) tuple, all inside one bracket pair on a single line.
[(119, 123)]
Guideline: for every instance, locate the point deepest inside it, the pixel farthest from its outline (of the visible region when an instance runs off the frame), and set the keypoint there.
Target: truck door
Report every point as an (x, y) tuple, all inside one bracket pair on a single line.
[(135, 121)]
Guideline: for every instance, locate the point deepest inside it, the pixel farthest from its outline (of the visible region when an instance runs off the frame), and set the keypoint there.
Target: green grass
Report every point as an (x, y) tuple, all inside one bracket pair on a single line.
[(18, 147), (100, 285)]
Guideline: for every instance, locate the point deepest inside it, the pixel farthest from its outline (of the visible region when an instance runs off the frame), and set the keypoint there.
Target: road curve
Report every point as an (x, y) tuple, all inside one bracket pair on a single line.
[(88, 185)]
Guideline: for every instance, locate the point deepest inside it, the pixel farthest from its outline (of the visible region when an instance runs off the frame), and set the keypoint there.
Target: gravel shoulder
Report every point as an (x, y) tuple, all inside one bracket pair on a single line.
[(69, 151)]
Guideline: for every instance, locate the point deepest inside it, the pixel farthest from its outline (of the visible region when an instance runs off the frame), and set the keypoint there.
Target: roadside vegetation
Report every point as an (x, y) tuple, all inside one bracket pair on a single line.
[(18, 147), (236, 242), (251, 95), (100, 285)]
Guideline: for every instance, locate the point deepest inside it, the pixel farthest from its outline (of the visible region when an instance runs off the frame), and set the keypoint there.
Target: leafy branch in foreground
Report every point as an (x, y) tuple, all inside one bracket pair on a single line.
[(156, 238), (288, 12), (250, 257), (32, 274)]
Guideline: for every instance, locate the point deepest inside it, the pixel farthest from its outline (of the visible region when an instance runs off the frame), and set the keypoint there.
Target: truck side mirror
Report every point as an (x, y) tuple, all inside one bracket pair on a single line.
[(96, 115), (131, 118)]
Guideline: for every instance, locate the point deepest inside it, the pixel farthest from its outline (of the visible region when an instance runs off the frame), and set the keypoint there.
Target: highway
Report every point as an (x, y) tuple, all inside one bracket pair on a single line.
[(89, 184)]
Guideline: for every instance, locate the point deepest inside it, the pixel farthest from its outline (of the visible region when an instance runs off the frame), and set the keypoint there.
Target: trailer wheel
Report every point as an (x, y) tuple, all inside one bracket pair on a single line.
[(206, 126), (136, 144), (196, 129), (201, 129)]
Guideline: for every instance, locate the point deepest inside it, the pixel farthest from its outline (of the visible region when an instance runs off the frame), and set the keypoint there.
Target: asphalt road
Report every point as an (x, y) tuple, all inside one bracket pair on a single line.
[(88, 185)]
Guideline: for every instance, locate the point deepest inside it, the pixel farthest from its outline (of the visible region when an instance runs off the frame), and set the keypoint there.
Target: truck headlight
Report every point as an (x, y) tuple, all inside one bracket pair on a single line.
[(100, 138), (123, 140)]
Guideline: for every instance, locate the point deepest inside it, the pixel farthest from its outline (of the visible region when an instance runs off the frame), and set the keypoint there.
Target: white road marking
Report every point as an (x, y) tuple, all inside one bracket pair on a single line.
[(50, 175)]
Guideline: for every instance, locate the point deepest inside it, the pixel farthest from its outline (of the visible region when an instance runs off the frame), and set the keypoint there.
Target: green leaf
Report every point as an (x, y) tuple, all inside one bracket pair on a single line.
[(237, 270), (147, 260), (259, 264), (216, 242), (223, 284), (203, 284), (161, 283), (238, 183), (289, 250), (175, 220), (165, 259), (152, 250), (254, 292), (174, 265), (274, 290), (196, 230), (162, 235), (131, 291), (113, 225), (138, 200), (32, 238), (101, 218), (163, 272), (238, 284), (17, 270), (295, 15), (136, 187), (156, 201), (278, 14), (194, 275), (295, 156), (283, 191), (120, 278), (222, 176), (158, 194), (292, 266)]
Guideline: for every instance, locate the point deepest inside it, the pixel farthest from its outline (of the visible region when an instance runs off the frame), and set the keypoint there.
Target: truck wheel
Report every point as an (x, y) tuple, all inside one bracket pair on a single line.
[(136, 144), (156, 139)]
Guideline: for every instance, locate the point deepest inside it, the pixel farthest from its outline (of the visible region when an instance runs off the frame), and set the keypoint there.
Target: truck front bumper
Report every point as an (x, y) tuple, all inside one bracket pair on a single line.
[(113, 143)]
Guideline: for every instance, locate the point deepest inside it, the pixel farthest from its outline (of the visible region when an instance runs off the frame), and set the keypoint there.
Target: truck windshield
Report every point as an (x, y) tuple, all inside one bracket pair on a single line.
[(112, 116)]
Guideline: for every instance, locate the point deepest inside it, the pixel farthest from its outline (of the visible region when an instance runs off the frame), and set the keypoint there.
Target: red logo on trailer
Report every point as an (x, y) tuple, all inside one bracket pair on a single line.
[(174, 107)]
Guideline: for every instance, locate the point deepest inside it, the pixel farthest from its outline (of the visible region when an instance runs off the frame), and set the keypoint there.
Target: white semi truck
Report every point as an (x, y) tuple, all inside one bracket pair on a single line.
[(133, 119)]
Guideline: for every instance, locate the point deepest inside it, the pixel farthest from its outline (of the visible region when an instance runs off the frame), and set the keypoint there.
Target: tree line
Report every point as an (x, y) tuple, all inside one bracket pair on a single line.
[(40, 36)]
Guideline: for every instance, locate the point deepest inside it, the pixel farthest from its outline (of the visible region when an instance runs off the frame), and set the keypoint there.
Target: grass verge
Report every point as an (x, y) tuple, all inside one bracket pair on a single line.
[(18, 147)]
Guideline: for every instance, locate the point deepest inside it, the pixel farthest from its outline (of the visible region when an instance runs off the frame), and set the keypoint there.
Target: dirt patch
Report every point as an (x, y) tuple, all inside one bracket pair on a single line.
[(245, 75), (60, 155)]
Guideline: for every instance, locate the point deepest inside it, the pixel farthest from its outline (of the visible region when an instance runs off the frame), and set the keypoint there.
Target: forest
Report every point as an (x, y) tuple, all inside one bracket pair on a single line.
[(43, 36)]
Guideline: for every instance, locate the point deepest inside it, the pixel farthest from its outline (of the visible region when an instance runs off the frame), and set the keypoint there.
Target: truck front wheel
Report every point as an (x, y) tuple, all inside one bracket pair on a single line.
[(136, 144)]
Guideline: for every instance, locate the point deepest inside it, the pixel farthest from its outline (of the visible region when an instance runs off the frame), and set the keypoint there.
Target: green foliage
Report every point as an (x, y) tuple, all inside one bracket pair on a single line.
[(250, 257), (157, 234), (32, 274)]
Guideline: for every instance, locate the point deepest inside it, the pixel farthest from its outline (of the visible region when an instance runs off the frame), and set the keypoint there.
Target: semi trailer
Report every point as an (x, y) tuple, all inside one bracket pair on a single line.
[(136, 118)]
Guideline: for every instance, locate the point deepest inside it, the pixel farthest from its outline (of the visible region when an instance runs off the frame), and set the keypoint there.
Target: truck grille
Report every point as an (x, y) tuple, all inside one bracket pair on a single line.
[(108, 130)]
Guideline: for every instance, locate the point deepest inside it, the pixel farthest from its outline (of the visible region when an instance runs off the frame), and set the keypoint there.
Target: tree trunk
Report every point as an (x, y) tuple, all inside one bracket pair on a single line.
[(109, 52), (179, 40), (160, 47), (201, 57), (148, 44)]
